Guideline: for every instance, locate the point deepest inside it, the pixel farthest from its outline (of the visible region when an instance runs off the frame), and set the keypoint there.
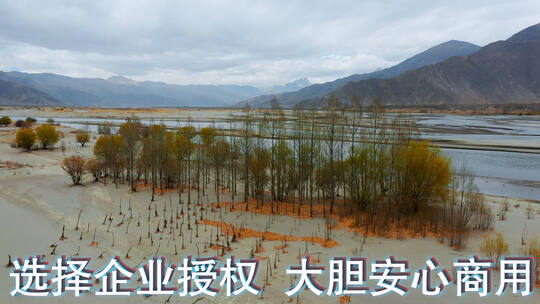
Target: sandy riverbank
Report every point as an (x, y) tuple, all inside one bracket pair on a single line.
[(37, 200)]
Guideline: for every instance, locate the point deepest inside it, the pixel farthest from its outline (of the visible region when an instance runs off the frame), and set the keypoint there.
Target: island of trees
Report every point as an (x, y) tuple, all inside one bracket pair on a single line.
[(358, 167)]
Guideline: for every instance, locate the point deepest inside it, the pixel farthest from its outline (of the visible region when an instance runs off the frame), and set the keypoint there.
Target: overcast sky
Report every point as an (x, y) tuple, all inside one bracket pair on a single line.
[(250, 42)]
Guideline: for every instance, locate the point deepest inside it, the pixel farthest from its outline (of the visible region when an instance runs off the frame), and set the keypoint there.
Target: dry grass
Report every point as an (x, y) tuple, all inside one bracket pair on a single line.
[(12, 165)]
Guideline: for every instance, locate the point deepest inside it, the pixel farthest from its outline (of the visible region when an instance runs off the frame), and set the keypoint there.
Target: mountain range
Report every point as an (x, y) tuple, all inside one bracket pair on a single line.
[(454, 72), (435, 54), (500, 72), (118, 91)]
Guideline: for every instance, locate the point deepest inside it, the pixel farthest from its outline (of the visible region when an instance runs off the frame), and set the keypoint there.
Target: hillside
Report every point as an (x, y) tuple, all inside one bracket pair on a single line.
[(501, 72), (13, 94)]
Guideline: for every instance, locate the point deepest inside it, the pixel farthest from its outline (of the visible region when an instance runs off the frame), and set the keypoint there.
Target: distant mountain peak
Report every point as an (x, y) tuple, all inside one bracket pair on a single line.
[(288, 87), (119, 79), (532, 33), (456, 44), (301, 82), (442, 51)]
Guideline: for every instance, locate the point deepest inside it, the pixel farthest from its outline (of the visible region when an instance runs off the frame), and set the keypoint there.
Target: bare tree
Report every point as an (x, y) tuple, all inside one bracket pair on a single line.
[(219, 153), (333, 116), (464, 201), (74, 166), (129, 131), (246, 148)]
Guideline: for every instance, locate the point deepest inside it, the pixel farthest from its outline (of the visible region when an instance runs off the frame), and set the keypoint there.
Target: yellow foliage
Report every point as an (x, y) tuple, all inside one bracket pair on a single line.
[(423, 174), (188, 131), (25, 138), (105, 143), (207, 134), (533, 249), (184, 146), (494, 248), (5, 121), (47, 135), (82, 138)]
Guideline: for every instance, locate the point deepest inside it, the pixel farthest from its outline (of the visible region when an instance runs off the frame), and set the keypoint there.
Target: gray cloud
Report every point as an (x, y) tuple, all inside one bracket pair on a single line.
[(241, 42)]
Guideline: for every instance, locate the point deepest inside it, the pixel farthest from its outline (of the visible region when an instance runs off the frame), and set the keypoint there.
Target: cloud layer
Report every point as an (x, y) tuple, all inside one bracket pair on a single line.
[(259, 43)]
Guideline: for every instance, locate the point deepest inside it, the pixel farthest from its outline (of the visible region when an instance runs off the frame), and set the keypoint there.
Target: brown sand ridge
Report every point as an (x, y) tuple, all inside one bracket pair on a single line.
[(244, 233), (341, 218), (141, 186)]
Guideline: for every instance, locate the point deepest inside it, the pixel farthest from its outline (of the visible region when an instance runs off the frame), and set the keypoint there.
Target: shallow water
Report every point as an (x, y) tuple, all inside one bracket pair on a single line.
[(497, 173), (501, 173)]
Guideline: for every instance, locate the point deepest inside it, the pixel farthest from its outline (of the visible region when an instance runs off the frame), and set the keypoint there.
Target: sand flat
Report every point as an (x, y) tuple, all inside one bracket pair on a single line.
[(40, 200)]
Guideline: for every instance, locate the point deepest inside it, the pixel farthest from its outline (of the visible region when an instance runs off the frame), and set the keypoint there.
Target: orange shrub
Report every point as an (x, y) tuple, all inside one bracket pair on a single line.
[(25, 138)]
